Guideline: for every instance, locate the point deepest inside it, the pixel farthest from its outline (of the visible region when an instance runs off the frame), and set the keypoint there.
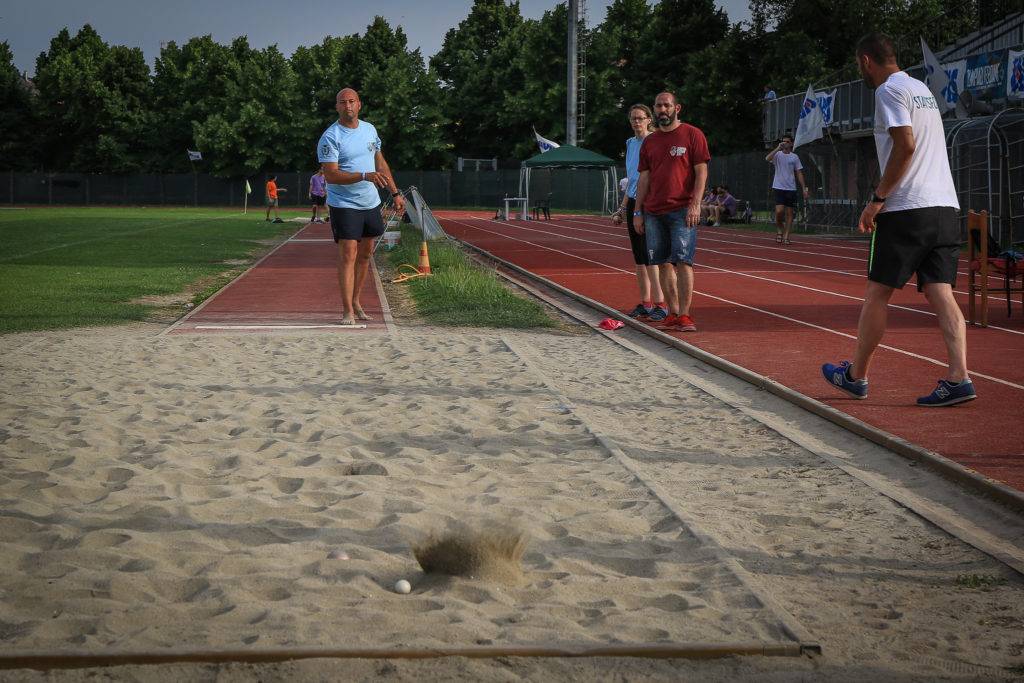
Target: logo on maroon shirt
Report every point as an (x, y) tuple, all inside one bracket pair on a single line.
[(677, 151)]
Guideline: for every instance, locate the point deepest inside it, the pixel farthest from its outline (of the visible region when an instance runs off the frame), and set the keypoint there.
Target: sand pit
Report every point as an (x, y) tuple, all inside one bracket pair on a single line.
[(203, 492)]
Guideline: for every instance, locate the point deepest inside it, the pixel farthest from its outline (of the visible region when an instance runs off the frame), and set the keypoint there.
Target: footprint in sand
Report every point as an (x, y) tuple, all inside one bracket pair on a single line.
[(288, 484), (137, 565), (367, 468)]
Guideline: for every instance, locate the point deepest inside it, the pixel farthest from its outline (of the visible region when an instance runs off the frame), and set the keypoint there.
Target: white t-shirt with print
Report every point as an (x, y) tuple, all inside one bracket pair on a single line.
[(905, 101), (786, 166)]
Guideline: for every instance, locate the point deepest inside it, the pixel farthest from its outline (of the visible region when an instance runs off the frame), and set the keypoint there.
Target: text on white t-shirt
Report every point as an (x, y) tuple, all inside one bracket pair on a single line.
[(904, 101)]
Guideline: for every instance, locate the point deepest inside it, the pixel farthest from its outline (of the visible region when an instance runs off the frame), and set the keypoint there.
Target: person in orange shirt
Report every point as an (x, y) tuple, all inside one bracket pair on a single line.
[(272, 191)]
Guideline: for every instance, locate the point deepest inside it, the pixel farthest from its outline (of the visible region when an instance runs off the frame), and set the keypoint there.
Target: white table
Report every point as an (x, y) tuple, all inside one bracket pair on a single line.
[(522, 202)]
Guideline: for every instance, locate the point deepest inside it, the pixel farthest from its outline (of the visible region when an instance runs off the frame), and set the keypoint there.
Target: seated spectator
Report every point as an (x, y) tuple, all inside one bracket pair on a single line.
[(724, 206), (769, 94), (709, 200)]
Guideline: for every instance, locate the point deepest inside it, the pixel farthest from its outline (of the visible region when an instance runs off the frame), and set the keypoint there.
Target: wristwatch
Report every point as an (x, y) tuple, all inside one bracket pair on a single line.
[(395, 194), (875, 199), (638, 213)]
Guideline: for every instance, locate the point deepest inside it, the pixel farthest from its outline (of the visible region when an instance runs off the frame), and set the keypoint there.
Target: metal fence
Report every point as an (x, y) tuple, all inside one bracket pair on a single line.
[(986, 158), (853, 108), (570, 189)]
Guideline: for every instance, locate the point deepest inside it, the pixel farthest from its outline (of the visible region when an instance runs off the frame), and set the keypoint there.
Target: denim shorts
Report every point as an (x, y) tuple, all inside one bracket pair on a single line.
[(668, 238)]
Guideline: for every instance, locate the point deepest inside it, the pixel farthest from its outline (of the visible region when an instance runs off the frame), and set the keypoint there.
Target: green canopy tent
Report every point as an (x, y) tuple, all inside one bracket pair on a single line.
[(569, 156)]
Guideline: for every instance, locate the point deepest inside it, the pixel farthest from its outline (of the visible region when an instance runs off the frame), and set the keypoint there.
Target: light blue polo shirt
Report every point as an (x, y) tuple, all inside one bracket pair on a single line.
[(354, 150), (633, 165)]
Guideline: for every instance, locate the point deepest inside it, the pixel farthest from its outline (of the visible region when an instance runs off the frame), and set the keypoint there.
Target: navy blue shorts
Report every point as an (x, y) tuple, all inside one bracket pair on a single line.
[(785, 198), (356, 224)]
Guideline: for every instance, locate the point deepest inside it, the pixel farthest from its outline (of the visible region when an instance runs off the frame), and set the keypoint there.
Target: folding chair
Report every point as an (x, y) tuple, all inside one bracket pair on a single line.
[(982, 263), (543, 207)]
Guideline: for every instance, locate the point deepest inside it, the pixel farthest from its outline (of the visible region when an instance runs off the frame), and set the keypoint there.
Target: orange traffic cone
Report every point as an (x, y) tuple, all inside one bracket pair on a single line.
[(424, 259), (412, 273)]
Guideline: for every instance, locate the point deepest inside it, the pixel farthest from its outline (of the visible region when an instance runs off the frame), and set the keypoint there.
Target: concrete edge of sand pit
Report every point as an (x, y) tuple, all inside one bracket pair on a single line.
[(1005, 495)]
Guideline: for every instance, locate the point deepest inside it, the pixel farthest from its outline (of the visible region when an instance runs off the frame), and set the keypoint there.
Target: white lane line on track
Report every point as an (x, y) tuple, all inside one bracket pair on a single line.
[(708, 230), (861, 249), (728, 301), (280, 327), (782, 282)]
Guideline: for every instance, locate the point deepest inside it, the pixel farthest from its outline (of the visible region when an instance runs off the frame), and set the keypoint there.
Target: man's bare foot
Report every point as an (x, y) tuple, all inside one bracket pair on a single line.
[(348, 320), (361, 314)]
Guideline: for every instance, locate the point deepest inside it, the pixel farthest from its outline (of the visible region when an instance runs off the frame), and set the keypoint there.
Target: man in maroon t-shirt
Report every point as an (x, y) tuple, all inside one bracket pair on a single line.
[(673, 172)]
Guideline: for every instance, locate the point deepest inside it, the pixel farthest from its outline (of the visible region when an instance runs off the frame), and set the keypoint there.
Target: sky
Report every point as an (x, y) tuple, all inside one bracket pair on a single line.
[(147, 23)]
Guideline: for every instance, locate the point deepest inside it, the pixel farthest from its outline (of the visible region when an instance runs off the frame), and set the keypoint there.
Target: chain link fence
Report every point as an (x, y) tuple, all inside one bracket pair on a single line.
[(572, 190), (841, 174)]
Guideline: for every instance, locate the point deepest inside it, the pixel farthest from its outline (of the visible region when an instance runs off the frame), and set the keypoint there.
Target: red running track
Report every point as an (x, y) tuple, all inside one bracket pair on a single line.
[(782, 311), (295, 287)]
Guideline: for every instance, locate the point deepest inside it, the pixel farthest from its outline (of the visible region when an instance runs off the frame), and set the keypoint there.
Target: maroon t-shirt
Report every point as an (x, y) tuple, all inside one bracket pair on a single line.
[(670, 158)]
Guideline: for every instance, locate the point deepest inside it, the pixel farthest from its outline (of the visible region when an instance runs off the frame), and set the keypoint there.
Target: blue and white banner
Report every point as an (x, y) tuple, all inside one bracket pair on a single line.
[(808, 127), (194, 156), (827, 105), (1015, 74), (936, 78), (986, 75), (544, 144), (955, 73)]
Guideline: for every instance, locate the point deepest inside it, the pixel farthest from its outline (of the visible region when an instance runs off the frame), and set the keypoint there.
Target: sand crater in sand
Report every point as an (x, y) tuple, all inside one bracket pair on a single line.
[(490, 551)]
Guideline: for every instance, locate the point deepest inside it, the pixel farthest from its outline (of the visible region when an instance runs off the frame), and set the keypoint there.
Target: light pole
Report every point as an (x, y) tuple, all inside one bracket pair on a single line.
[(571, 73)]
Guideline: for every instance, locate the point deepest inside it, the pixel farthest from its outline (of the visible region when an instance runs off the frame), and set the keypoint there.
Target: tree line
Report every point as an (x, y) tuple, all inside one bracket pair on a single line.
[(95, 107)]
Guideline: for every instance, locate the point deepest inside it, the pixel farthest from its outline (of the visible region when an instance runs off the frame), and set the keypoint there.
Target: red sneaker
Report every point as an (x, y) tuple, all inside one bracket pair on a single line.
[(670, 321), (684, 323)]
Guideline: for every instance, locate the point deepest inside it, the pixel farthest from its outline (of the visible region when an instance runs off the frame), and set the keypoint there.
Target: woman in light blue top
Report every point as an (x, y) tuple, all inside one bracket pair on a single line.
[(652, 301)]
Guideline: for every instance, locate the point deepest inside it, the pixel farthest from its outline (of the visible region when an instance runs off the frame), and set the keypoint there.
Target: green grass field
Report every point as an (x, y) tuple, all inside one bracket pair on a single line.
[(461, 293), (73, 267)]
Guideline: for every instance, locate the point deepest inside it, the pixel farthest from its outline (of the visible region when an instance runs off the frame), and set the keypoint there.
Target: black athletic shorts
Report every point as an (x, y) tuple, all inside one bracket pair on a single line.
[(319, 200), (923, 241), (637, 241), (785, 198), (355, 224)]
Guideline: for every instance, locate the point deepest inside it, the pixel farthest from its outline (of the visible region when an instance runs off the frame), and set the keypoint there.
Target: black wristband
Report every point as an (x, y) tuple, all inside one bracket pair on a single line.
[(875, 199), (395, 194)]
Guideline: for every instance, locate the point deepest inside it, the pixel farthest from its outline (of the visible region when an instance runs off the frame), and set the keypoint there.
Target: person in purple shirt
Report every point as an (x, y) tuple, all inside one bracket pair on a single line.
[(318, 194), (723, 206)]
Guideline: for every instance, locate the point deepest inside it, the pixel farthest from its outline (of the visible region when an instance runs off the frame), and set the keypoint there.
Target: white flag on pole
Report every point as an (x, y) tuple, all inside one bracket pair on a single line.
[(544, 144), (827, 104), (936, 79), (808, 128), (1015, 74)]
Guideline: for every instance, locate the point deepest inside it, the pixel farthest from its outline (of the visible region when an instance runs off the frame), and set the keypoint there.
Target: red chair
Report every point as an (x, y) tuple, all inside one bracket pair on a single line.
[(983, 264)]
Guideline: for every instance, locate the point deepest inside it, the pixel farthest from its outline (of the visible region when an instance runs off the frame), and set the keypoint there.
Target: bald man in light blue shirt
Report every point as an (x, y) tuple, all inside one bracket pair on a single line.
[(355, 169)]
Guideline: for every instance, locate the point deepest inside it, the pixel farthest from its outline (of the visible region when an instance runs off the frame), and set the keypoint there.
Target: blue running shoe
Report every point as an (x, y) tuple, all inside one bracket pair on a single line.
[(949, 394), (657, 314), (839, 377), (640, 311)]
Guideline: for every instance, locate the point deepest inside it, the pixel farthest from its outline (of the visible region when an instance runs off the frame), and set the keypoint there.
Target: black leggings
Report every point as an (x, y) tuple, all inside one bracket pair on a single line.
[(637, 241)]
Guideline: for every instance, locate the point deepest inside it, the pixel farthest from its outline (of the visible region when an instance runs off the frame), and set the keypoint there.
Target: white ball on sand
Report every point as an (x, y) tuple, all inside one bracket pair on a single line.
[(189, 305), (402, 586)]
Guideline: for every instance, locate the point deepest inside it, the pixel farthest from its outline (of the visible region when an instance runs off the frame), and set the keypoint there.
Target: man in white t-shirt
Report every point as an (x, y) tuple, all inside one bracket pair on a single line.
[(912, 219), (788, 171)]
